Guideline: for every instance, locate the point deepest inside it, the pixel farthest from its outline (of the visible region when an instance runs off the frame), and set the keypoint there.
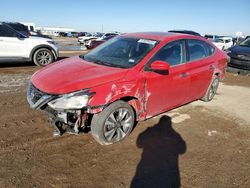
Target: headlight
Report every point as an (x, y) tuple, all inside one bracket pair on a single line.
[(75, 100)]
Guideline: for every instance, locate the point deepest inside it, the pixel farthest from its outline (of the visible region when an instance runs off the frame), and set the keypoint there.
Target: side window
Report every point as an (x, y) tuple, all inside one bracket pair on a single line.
[(173, 53), (6, 32), (197, 50), (211, 49), (31, 28)]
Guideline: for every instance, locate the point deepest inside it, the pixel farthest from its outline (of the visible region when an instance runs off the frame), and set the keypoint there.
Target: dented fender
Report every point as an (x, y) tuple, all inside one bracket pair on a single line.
[(131, 91)]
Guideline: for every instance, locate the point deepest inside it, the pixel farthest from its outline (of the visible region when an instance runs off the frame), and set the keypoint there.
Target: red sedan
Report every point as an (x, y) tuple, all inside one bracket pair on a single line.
[(129, 78)]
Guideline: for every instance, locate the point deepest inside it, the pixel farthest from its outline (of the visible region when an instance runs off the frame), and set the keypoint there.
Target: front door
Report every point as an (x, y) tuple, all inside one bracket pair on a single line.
[(164, 92)]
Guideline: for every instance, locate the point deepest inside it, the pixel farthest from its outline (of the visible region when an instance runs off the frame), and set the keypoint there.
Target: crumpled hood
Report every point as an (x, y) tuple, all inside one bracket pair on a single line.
[(74, 74)]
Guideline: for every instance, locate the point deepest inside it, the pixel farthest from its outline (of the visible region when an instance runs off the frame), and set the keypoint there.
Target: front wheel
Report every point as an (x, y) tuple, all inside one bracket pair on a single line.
[(43, 57), (113, 124), (211, 89)]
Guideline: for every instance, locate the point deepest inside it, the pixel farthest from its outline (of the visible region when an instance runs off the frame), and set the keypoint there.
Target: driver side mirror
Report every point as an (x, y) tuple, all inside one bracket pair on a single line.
[(160, 67)]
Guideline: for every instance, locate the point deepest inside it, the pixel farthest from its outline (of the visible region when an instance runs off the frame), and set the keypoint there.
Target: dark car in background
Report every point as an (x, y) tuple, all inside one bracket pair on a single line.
[(240, 55), (95, 43), (185, 32)]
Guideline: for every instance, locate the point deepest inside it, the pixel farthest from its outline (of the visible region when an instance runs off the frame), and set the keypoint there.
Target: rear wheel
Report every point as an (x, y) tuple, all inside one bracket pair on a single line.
[(113, 124), (211, 89), (43, 57)]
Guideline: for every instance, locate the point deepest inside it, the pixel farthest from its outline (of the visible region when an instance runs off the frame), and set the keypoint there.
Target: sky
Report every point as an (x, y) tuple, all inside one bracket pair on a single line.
[(222, 17)]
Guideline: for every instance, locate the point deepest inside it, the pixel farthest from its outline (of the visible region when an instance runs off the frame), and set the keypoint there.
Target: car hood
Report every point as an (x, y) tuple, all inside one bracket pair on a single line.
[(74, 74), (240, 49)]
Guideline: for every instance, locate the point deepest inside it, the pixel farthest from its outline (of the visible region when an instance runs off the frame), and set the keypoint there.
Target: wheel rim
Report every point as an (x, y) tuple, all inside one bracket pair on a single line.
[(213, 89), (44, 58), (118, 125)]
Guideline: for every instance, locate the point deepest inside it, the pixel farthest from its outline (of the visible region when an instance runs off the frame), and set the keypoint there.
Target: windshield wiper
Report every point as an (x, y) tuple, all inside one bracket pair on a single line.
[(103, 63)]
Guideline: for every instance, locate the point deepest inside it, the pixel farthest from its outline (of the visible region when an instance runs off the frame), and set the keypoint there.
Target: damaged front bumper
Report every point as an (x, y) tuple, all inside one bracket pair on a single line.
[(63, 120)]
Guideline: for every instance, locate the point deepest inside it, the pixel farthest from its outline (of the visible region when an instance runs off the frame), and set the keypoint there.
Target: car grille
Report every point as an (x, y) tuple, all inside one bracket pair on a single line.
[(243, 57), (37, 98)]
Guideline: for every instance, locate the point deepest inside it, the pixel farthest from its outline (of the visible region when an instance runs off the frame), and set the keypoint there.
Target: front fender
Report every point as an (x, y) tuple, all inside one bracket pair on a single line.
[(108, 93)]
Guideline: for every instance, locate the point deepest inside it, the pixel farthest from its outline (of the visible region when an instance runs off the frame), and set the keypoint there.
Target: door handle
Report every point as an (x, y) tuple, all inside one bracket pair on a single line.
[(1, 40), (183, 75)]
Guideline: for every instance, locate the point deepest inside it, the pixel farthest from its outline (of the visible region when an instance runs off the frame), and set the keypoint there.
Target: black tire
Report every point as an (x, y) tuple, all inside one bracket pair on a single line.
[(211, 91), (113, 124), (43, 57)]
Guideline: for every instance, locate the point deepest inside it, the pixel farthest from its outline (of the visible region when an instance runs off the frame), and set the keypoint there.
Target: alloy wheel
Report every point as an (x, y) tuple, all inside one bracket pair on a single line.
[(118, 124)]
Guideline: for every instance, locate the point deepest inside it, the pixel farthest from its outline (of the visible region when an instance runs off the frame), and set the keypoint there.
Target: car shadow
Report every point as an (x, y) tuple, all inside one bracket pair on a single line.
[(159, 165), (22, 63)]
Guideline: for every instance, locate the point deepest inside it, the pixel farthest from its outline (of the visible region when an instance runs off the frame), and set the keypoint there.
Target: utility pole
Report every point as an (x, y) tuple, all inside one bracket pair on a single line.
[(102, 28)]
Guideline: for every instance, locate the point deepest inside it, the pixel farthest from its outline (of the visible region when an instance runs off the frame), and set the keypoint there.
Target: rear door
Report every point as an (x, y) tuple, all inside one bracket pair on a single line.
[(164, 92), (199, 67), (10, 44)]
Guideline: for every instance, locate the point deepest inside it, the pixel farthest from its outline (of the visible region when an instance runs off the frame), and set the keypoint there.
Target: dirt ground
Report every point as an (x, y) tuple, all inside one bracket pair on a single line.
[(197, 145)]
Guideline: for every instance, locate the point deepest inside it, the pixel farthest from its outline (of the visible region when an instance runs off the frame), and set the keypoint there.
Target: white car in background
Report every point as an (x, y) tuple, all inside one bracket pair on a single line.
[(86, 40), (16, 46), (223, 43)]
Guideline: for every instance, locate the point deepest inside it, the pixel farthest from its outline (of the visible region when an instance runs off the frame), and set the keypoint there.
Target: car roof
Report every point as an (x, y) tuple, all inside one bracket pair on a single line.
[(185, 31), (159, 36)]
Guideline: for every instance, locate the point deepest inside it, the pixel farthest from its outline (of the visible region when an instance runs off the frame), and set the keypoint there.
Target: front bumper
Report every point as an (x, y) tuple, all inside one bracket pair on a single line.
[(239, 64)]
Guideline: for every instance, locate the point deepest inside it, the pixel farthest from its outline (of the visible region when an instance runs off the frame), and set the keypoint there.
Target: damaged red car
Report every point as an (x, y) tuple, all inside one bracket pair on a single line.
[(127, 79)]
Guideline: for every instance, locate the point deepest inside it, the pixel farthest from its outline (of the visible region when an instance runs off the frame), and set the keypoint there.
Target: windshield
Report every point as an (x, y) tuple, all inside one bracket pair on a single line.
[(121, 52), (245, 42)]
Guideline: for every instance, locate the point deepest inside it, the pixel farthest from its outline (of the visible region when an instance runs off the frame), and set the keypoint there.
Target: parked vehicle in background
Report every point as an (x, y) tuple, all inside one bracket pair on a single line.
[(185, 32), (85, 40), (240, 55), (74, 34), (130, 78), (16, 46), (223, 43), (97, 42), (211, 37), (62, 34), (69, 34), (30, 26), (82, 34)]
